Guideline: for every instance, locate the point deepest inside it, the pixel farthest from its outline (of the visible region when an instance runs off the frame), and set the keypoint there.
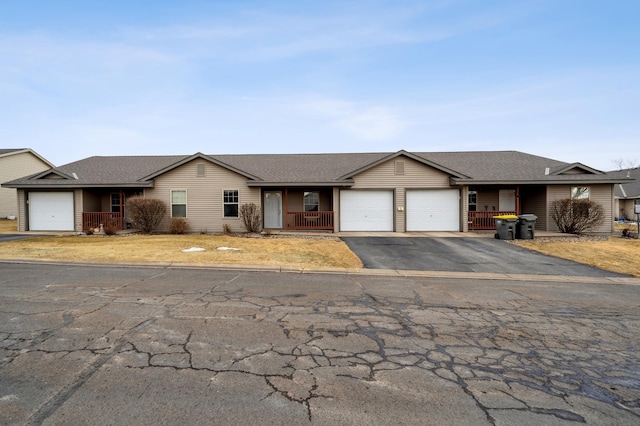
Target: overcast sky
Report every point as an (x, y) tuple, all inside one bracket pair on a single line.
[(556, 78)]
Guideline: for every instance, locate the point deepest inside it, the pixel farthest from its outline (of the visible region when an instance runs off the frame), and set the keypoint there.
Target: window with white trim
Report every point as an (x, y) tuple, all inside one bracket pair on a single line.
[(230, 202), (179, 203), (311, 201), (580, 193)]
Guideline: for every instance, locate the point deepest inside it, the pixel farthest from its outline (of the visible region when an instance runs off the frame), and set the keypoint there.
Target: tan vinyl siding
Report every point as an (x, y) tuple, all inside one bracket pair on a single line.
[(383, 176), (22, 214), (488, 201), (204, 195), (599, 193), (14, 167), (77, 209), (533, 201)]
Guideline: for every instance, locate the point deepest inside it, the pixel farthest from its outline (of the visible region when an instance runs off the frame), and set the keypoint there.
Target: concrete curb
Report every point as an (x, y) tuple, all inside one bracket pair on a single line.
[(342, 271)]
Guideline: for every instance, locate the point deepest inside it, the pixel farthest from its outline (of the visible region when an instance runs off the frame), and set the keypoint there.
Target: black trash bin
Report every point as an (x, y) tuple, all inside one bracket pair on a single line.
[(506, 227), (525, 229)]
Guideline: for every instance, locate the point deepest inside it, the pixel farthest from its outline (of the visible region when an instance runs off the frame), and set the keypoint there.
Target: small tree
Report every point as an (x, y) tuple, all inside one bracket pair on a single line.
[(146, 213), (576, 216), (251, 217)]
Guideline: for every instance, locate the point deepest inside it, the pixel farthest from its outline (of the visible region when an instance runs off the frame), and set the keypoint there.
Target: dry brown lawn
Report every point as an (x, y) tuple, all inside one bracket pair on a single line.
[(284, 252), (615, 254), (8, 226)]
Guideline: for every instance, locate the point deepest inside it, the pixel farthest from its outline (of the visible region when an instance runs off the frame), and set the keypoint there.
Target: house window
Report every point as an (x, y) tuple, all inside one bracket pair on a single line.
[(311, 201), (200, 170), (115, 202), (230, 201), (580, 193), (473, 201), (179, 203)]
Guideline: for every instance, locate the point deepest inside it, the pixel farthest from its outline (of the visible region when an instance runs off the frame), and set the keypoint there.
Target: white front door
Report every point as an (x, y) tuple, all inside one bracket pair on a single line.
[(507, 200), (273, 210)]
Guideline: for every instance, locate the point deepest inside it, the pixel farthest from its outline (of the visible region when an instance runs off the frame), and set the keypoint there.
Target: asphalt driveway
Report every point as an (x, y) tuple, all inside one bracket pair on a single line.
[(485, 255)]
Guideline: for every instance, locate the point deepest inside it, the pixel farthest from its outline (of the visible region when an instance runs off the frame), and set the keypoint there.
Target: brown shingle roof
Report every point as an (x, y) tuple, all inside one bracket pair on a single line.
[(479, 166)]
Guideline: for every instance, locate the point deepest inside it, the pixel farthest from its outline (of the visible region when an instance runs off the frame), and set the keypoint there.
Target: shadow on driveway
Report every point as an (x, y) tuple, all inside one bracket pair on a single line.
[(483, 255)]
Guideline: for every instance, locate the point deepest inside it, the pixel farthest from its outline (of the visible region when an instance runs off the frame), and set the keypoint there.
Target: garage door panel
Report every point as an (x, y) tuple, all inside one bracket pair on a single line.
[(51, 211), (433, 210), (366, 210)]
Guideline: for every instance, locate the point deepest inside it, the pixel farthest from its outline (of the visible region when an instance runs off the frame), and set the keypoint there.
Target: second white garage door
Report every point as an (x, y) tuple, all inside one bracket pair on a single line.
[(433, 210), (366, 210), (51, 211)]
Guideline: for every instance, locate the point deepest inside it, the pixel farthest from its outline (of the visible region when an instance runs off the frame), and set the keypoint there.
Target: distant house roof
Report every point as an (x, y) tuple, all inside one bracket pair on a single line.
[(628, 190), (6, 152), (338, 169)]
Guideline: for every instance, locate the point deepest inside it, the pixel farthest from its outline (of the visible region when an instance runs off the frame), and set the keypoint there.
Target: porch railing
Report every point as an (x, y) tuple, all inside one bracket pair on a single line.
[(92, 220), (484, 220), (310, 221)]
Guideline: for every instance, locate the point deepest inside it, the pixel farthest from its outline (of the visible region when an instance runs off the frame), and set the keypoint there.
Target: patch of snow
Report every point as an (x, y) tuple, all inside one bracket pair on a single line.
[(228, 248), (193, 250)]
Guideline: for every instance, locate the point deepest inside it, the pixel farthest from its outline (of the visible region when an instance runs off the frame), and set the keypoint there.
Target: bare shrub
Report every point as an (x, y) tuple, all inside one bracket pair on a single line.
[(146, 213), (226, 229), (251, 217), (178, 225), (576, 216), (110, 229)]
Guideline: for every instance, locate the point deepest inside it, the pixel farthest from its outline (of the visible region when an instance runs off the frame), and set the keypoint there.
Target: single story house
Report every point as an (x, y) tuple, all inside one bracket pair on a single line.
[(15, 163), (626, 195), (393, 192)]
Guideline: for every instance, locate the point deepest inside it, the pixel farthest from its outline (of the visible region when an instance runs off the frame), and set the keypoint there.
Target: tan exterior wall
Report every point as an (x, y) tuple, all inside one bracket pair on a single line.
[(77, 209), (204, 195), (488, 201), (627, 207), (534, 201), (602, 194), (383, 176), (14, 167), (22, 213)]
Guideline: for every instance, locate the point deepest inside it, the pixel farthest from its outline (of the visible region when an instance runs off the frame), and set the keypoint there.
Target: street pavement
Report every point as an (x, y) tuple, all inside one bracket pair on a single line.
[(145, 345)]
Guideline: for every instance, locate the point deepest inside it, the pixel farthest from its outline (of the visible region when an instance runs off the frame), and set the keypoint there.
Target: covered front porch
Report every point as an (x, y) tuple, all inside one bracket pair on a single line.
[(105, 208), (485, 202), (298, 209)]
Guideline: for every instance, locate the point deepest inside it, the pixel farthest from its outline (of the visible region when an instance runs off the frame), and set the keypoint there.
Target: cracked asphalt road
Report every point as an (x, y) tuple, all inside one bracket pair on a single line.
[(109, 345)]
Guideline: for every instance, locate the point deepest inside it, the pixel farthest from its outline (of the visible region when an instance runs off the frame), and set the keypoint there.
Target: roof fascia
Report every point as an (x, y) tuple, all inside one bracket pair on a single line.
[(55, 172), (70, 185), (29, 150), (538, 182), (196, 156), (343, 183), (402, 152), (576, 166)]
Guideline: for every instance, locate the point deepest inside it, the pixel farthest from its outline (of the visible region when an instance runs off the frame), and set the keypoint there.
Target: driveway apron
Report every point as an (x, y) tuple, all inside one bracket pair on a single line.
[(483, 255)]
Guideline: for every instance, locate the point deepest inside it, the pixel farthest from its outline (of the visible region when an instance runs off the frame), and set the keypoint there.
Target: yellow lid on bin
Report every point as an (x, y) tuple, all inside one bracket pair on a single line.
[(506, 216)]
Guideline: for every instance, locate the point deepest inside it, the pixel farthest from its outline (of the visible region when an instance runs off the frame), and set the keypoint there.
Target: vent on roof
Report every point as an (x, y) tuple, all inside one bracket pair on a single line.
[(546, 171), (75, 176), (399, 167)]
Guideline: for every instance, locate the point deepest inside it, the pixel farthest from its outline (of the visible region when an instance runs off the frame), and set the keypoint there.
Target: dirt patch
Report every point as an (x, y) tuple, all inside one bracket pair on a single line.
[(289, 252)]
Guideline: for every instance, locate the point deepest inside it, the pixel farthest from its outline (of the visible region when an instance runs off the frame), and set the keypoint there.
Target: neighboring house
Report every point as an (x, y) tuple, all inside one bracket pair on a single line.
[(626, 195), (394, 192), (15, 163)]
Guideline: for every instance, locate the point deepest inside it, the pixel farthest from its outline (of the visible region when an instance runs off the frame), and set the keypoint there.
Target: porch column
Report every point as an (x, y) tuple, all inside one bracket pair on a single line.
[(121, 210), (286, 208), (518, 200)]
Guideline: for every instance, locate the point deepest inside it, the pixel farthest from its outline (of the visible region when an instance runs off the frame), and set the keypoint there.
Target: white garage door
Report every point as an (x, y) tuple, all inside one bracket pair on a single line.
[(51, 211), (433, 210), (366, 210)]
